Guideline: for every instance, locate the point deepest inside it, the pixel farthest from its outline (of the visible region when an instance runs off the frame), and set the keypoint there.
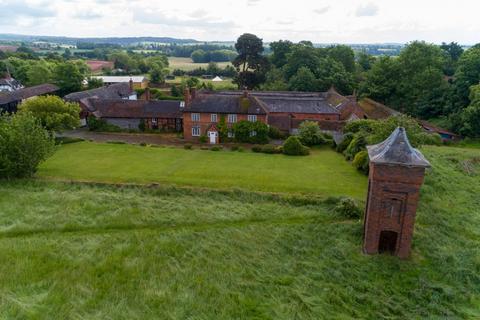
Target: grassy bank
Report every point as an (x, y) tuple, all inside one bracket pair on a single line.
[(324, 172), (187, 64)]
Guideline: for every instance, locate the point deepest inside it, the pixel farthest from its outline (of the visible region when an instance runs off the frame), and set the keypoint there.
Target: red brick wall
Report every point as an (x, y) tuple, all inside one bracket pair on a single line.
[(391, 206), (205, 122)]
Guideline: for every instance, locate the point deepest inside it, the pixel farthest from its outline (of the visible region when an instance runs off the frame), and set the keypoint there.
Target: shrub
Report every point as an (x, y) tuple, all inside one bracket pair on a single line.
[(234, 148), (309, 133), (67, 140), (203, 138), (294, 147), (243, 131), (143, 144), (342, 146), (240, 149), (24, 144), (358, 143), (257, 149), (204, 148), (361, 161), (348, 208), (101, 125), (274, 133), (216, 148), (116, 142), (270, 149), (141, 125), (54, 113), (187, 147)]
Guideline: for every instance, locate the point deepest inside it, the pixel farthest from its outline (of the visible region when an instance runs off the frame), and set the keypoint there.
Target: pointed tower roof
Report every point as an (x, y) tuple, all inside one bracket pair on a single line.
[(396, 149)]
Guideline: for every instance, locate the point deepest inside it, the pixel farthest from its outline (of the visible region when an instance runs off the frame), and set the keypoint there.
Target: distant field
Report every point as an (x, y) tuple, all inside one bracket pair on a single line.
[(188, 65), (227, 83), (325, 172)]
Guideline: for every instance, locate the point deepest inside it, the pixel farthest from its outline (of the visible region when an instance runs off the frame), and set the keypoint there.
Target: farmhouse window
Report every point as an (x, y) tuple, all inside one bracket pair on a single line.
[(196, 131), (232, 118), (213, 117), (195, 116), (252, 117), (154, 120)]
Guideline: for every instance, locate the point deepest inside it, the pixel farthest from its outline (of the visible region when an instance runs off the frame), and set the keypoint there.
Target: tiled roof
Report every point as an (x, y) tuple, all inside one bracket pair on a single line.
[(260, 102), (396, 149), (375, 110), (225, 103), (7, 97), (114, 91), (136, 108)]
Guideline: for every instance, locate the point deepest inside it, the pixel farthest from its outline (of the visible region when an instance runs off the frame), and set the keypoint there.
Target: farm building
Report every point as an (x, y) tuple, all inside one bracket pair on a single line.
[(129, 114), (9, 101), (139, 82), (118, 91)]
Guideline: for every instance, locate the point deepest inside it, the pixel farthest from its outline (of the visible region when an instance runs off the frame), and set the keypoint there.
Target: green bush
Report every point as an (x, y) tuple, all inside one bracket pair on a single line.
[(257, 149), (24, 144), (309, 133), (187, 147), (243, 132), (271, 149), (275, 133), (101, 125), (361, 161), (143, 144), (116, 142), (342, 146), (141, 125), (203, 139), (67, 140), (293, 147), (216, 148), (358, 143), (348, 208), (234, 148)]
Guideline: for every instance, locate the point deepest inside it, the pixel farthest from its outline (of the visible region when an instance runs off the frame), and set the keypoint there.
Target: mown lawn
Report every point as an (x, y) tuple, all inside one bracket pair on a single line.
[(74, 251), (324, 172)]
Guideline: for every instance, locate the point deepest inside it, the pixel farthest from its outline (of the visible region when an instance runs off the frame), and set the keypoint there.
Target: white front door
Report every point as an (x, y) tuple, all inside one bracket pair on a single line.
[(213, 137)]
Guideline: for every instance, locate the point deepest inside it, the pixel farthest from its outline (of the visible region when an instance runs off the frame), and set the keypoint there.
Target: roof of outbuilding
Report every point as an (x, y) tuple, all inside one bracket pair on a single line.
[(111, 79), (25, 93), (114, 91), (396, 149), (136, 108), (297, 105)]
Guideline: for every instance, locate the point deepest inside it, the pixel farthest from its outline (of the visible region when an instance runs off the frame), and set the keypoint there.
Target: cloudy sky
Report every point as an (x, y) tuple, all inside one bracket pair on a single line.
[(321, 21)]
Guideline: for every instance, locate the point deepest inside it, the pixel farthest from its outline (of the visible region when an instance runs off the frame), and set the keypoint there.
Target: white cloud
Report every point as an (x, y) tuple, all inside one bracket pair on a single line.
[(367, 10), (344, 21)]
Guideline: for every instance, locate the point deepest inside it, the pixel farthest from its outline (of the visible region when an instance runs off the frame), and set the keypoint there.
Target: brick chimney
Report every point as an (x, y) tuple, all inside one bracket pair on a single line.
[(131, 84), (147, 94), (396, 175), (193, 93), (187, 97)]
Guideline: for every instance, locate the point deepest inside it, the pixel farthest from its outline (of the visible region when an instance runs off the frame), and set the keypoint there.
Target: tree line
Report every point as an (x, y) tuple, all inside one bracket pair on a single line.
[(427, 81)]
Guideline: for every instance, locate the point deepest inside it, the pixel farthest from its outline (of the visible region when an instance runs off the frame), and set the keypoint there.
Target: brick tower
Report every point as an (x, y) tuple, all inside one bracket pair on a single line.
[(396, 175)]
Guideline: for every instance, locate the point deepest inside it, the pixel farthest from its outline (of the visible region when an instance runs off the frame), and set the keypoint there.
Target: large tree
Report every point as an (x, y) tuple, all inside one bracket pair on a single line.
[(466, 75), (53, 113), (251, 65), (68, 77), (280, 50), (470, 116)]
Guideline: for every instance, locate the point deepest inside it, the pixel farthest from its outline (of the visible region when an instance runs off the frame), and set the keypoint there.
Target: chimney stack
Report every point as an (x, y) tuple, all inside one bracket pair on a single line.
[(131, 84), (193, 93), (147, 94), (187, 97)]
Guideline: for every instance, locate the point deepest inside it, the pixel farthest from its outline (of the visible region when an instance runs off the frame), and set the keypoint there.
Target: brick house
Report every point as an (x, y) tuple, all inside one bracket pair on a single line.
[(283, 110), (204, 110)]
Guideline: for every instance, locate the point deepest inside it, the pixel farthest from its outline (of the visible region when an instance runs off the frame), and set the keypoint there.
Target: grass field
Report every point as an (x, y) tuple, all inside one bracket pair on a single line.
[(73, 251), (324, 172), (187, 64)]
